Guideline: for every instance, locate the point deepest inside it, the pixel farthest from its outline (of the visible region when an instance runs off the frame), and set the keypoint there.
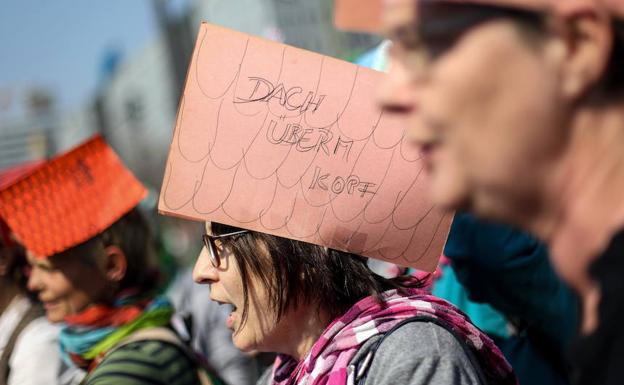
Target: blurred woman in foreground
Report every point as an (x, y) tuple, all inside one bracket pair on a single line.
[(517, 108)]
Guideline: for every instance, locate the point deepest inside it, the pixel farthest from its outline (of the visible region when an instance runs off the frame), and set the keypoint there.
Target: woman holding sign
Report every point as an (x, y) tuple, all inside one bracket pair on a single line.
[(333, 321)]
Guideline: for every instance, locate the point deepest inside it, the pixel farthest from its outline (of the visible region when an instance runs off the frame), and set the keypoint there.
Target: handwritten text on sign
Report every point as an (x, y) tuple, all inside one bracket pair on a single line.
[(289, 142)]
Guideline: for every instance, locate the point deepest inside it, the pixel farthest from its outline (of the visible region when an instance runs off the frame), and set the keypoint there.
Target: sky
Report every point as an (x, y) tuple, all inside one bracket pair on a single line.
[(60, 45)]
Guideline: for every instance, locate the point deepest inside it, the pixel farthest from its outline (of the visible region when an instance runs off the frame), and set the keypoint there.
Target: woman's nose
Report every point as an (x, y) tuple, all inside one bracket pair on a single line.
[(203, 271), (34, 283), (396, 93)]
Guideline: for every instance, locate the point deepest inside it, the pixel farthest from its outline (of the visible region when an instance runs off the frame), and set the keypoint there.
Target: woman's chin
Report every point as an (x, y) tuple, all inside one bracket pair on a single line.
[(447, 199), (243, 343), (54, 316), (243, 346)]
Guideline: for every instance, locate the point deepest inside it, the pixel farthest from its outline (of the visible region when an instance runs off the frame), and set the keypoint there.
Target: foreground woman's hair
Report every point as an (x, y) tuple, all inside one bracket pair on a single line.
[(297, 273)]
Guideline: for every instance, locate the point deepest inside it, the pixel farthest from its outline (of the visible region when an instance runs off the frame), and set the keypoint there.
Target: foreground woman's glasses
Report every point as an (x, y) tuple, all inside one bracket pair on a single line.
[(209, 242)]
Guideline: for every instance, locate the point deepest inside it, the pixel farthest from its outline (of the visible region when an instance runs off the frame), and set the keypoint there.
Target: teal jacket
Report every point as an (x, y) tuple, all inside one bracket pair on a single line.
[(510, 271)]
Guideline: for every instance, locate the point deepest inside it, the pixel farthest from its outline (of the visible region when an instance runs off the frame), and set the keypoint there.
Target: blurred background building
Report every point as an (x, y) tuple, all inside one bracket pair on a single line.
[(135, 99)]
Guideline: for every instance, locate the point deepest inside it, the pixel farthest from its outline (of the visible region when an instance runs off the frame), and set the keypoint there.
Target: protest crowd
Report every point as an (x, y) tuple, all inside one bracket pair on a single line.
[(443, 210)]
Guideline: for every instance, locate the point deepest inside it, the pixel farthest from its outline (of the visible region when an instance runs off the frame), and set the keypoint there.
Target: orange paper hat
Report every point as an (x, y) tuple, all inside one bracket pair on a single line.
[(8, 176), (69, 199)]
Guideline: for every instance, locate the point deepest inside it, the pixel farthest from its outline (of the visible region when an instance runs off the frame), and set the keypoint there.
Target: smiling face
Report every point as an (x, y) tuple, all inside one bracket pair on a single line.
[(259, 332), (65, 284), (480, 100)]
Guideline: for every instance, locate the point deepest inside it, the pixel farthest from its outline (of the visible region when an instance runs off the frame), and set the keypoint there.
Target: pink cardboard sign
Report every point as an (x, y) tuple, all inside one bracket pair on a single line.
[(289, 142)]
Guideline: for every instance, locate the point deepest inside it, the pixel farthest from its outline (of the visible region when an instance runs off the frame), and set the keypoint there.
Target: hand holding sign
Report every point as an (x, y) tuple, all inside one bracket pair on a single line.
[(288, 142)]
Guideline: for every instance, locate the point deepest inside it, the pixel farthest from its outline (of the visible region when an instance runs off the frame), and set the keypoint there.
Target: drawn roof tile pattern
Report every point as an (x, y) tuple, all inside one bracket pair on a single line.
[(289, 142)]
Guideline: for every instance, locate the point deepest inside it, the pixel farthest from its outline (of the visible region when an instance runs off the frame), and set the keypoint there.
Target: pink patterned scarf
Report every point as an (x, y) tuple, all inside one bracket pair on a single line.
[(327, 361)]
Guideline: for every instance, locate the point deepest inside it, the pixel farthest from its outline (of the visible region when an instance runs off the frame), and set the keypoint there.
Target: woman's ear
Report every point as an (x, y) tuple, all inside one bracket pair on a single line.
[(116, 263), (586, 42), (4, 262)]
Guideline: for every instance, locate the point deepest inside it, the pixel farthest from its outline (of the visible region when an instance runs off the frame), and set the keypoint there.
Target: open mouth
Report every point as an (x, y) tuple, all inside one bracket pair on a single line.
[(229, 322), (224, 303), (231, 307), (49, 304), (231, 316), (427, 152)]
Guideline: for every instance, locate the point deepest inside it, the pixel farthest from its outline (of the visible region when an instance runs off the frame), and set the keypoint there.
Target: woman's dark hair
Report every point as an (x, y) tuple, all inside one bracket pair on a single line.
[(133, 235), (612, 83), (14, 255), (295, 273), (443, 23), (533, 27)]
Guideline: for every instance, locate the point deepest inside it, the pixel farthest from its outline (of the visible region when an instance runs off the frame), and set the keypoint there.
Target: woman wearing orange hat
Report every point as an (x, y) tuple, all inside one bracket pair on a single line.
[(29, 353), (517, 107), (92, 268)]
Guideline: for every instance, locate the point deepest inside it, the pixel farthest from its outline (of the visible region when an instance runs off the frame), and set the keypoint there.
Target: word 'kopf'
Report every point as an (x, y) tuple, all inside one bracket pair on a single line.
[(339, 185)]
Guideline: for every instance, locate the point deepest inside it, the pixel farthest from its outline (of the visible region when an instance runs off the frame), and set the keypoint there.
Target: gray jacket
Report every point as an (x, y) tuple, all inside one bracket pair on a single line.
[(417, 353)]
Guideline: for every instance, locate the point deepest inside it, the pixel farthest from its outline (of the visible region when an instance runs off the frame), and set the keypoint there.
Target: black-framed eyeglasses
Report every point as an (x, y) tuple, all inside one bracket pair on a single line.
[(209, 242)]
